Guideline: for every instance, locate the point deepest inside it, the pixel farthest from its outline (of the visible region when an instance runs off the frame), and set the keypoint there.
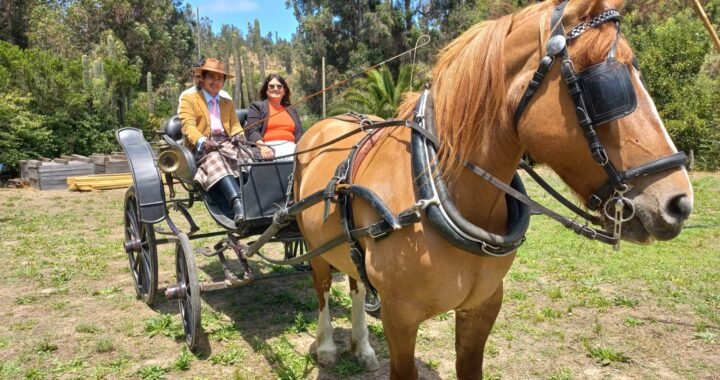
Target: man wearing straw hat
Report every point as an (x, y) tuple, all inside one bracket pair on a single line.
[(210, 126)]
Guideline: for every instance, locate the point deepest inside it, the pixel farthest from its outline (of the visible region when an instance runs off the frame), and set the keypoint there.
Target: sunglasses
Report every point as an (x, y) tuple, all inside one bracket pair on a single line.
[(276, 86)]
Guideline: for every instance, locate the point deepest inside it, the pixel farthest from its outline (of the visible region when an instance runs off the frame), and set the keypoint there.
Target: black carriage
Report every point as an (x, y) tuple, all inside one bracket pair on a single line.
[(170, 164)]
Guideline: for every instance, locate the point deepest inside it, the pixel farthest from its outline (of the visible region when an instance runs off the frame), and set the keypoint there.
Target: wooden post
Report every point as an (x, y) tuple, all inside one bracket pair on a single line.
[(708, 24)]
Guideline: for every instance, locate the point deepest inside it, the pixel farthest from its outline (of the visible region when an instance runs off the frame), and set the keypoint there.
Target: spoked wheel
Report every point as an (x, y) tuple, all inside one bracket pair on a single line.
[(294, 249), (372, 304), (141, 249), (188, 290)]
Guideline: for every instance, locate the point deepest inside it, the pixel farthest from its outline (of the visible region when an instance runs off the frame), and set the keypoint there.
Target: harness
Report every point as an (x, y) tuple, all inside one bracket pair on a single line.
[(601, 93)]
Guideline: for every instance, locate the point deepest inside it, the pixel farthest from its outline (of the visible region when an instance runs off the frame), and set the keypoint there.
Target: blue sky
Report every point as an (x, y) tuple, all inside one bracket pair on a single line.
[(272, 14)]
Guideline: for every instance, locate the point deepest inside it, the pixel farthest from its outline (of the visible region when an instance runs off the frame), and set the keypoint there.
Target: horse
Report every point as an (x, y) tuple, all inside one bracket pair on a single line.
[(478, 84)]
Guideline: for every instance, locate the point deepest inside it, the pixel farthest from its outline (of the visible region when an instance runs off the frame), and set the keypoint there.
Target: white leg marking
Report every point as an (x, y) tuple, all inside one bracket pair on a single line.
[(360, 342), (326, 348)]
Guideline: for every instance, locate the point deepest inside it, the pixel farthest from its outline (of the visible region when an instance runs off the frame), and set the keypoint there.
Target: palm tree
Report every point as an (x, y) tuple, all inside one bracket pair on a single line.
[(377, 93)]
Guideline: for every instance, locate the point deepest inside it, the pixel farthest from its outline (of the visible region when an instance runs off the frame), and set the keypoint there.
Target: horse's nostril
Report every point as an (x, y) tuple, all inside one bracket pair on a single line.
[(680, 206)]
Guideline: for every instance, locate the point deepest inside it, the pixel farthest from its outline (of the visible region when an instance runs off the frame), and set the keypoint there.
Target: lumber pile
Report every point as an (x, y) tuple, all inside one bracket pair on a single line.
[(47, 174), (104, 163), (99, 182)]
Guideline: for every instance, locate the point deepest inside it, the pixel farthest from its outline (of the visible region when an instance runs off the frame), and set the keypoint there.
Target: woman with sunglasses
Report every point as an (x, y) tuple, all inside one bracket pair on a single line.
[(271, 124)]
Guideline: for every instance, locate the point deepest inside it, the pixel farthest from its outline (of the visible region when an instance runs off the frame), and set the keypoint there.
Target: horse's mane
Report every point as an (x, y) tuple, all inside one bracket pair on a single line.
[(469, 89)]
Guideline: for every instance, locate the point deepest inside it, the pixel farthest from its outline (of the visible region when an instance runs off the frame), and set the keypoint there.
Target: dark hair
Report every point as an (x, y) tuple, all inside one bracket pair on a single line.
[(263, 90)]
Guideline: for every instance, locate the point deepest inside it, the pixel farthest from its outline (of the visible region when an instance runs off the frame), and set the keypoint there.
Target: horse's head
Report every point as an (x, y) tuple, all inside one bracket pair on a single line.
[(556, 127)]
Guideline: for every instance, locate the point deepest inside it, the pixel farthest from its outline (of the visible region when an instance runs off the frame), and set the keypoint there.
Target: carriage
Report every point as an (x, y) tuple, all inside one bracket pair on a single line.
[(156, 174)]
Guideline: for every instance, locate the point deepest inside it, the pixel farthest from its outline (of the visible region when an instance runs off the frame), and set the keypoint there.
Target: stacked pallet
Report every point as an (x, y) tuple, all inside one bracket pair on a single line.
[(47, 174), (105, 163)]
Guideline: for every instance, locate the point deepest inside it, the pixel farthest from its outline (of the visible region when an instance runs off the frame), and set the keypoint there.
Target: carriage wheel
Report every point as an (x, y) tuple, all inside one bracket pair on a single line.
[(295, 248), (141, 249), (189, 290), (372, 304)]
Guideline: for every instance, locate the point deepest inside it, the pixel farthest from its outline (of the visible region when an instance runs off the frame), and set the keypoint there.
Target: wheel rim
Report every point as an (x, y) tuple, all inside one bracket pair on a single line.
[(189, 304), (294, 249), (142, 259)]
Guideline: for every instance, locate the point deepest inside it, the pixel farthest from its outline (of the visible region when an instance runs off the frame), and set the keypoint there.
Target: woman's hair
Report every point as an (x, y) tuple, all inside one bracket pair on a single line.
[(263, 90)]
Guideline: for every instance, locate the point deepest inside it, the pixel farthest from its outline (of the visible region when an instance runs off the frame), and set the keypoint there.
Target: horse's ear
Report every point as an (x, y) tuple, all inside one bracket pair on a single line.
[(578, 9)]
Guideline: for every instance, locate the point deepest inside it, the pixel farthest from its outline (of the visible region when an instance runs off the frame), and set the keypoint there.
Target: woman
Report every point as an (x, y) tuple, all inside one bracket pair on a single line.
[(209, 122), (271, 124)]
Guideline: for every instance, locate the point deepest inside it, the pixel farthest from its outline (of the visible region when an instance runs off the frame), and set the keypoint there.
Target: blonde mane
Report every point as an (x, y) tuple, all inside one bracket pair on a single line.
[(468, 91)]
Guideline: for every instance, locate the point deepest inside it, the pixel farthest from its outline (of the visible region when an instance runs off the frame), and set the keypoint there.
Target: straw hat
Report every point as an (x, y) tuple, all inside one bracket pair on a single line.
[(215, 66)]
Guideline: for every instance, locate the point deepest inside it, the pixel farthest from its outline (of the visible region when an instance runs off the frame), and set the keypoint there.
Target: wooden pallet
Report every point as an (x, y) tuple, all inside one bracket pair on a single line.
[(46, 174)]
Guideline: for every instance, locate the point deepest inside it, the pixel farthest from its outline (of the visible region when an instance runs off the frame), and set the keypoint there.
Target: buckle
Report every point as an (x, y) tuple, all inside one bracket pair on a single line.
[(593, 202)]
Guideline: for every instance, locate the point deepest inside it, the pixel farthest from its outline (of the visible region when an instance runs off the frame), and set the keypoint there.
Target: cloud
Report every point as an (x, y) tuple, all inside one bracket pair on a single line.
[(229, 6)]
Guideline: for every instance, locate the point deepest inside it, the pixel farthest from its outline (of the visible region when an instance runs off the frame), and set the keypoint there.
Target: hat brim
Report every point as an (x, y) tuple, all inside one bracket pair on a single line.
[(199, 70)]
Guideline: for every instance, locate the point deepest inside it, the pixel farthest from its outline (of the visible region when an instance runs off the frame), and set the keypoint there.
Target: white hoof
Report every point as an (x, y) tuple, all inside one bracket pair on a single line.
[(368, 360), (327, 358)]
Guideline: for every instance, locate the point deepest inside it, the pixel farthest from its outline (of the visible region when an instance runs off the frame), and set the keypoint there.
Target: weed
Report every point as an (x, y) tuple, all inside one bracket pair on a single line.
[(165, 325), (25, 300), (597, 327), (561, 374), (72, 366), (338, 298), (9, 370), (706, 336), (61, 305), (104, 345), (224, 333), (433, 364), (549, 313), (632, 322), (34, 374), (183, 361), (45, 346), (605, 355), (443, 316), (287, 363), (87, 328), (377, 329), (107, 291), (302, 324), (518, 295), (625, 301), (23, 326), (152, 373), (228, 357), (347, 366), (555, 293)]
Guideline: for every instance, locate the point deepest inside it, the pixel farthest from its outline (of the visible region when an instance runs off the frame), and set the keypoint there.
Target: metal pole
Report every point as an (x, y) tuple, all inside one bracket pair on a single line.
[(323, 86), (198, 32), (708, 25)]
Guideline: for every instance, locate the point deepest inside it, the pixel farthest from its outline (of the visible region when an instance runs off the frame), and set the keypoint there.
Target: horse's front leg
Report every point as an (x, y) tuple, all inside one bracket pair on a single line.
[(324, 343), (401, 320), (472, 328), (360, 341)]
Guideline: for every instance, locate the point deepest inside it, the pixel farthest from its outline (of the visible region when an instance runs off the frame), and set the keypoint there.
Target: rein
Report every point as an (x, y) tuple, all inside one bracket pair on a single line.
[(601, 93)]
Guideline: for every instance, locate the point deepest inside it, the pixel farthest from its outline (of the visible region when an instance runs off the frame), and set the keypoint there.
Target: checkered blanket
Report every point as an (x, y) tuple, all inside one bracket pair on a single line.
[(214, 166)]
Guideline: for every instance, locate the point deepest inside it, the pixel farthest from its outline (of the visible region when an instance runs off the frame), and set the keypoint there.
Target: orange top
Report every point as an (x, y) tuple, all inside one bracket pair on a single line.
[(280, 125)]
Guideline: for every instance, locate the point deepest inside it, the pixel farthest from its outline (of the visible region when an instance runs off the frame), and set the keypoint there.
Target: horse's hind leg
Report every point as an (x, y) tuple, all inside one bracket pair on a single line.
[(360, 342), (472, 328), (322, 280)]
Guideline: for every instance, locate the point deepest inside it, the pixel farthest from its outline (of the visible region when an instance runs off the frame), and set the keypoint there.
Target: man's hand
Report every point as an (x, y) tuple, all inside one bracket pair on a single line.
[(210, 146)]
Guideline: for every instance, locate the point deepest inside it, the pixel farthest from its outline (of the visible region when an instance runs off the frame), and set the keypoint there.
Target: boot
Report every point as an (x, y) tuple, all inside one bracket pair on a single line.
[(231, 190)]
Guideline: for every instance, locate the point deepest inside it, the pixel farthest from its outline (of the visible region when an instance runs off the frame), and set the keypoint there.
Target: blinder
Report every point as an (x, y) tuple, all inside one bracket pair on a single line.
[(608, 91)]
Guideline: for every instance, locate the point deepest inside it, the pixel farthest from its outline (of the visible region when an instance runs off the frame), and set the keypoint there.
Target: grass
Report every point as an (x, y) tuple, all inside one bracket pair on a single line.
[(648, 311)]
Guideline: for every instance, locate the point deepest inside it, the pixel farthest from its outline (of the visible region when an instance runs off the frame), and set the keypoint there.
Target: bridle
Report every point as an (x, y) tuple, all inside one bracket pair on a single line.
[(601, 93)]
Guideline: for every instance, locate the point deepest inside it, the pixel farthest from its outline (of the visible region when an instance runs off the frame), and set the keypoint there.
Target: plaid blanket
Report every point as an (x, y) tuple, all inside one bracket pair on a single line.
[(213, 166)]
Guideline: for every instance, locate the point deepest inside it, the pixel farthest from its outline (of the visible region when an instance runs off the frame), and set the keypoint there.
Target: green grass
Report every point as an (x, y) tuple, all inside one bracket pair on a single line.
[(165, 325), (228, 357)]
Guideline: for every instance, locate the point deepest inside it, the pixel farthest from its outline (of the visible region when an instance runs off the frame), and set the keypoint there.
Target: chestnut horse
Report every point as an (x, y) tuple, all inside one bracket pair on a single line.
[(478, 82)]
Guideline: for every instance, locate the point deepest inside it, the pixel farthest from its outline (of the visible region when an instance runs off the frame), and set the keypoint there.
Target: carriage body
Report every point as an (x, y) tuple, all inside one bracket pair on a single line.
[(157, 172)]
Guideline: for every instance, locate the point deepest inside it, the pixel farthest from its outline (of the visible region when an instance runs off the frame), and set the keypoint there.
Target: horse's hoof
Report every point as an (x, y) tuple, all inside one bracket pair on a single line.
[(327, 358), (368, 361)]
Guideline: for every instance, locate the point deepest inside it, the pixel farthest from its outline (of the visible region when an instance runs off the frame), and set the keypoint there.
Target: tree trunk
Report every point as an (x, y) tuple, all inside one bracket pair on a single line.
[(250, 81)]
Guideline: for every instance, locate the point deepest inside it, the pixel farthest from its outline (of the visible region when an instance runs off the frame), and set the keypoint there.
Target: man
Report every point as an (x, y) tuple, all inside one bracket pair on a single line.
[(209, 122), (196, 84)]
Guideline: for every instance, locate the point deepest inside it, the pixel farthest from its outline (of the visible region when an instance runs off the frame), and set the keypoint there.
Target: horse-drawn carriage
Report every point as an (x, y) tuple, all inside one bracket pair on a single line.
[(156, 173)]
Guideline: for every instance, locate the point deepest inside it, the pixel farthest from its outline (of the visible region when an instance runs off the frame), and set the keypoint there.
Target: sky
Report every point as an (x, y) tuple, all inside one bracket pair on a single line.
[(272, 14)]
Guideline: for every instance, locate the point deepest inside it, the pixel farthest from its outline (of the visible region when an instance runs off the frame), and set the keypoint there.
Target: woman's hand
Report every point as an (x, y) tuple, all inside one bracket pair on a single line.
[(266, 152)]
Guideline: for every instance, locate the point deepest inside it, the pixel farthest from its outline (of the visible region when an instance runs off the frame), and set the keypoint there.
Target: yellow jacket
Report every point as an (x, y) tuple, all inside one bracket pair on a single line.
[(195, 117)]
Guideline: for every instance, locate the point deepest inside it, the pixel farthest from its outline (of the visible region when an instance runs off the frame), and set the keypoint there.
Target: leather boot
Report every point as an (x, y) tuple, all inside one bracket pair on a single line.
[(231, 190)]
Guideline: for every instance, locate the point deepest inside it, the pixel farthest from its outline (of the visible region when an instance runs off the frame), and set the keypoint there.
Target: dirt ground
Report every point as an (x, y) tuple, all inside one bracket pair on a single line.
[(68, 308)]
